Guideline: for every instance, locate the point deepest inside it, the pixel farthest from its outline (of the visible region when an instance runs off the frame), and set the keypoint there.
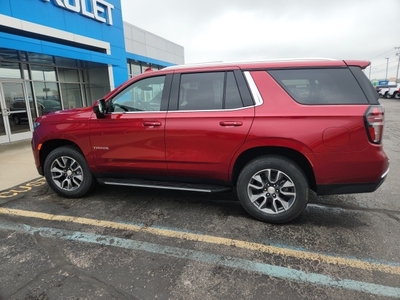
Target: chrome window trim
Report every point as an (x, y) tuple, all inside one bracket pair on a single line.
[(137, 112), (253, 89), (211, 110)]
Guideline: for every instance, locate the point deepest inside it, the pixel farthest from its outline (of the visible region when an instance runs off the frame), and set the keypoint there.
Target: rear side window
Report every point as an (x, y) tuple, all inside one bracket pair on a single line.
[(209, 91), (320, 86)]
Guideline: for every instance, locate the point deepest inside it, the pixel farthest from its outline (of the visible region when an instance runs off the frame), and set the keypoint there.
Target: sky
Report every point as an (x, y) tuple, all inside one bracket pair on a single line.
[(243, 30)]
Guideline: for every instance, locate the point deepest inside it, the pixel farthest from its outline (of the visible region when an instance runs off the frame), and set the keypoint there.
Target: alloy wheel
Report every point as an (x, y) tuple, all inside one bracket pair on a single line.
[(271, 191), (66, 173)]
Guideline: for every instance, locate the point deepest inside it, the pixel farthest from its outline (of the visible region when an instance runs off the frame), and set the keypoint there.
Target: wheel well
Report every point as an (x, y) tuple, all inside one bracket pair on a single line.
[(49, 146), (293, 155)]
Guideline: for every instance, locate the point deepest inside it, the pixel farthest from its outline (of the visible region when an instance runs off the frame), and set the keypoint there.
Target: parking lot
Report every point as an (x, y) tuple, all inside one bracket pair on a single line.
[(133, 243)]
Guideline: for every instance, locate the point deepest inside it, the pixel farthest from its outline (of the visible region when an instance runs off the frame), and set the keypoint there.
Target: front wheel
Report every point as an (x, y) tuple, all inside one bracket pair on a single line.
[(67, 172), (387, 95), (273, 189), (396, 95)]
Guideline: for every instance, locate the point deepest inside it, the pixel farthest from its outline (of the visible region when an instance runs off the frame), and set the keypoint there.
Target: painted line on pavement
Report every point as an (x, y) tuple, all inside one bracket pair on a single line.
[(208, 258), (15, 191), (274, 250)]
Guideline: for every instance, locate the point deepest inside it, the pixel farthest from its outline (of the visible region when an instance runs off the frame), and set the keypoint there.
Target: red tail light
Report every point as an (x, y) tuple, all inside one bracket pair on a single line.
[(374, 121)]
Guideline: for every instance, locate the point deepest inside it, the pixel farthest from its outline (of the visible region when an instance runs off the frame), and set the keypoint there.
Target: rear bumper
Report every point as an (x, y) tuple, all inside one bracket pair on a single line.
[(351, 188)]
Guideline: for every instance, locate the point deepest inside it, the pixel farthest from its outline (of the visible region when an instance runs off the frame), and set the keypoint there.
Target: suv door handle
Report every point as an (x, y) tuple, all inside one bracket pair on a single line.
[(230, 123), (151, 123)]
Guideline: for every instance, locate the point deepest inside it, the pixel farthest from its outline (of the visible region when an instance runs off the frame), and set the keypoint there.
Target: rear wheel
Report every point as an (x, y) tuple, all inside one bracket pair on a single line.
[(67, 172), (396, 95), (273, 189), (387, 95)]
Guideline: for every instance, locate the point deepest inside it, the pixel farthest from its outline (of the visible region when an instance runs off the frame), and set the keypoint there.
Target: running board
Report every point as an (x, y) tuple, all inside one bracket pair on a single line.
[(204, 188)]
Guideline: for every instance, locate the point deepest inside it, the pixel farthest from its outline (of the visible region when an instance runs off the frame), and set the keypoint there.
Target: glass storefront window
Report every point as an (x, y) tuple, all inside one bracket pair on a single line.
[(128, 66), (65, 62), (71, 95), (9, 70), (31, 102), (136, 69), (68, 75), (43, 73), (40, 58), (8, 54), (25, 71), (47, 97)]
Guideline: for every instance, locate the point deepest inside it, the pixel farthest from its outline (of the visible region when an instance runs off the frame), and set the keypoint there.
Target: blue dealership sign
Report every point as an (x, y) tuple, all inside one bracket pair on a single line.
[(86, 30)]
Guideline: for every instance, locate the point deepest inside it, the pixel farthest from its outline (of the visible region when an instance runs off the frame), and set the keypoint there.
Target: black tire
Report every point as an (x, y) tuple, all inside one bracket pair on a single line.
[(387, 95), (396, 95), (273, 180), (67, 172)]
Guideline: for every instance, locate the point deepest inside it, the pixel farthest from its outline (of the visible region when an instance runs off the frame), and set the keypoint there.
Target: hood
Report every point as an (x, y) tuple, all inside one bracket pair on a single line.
[(70, 115)]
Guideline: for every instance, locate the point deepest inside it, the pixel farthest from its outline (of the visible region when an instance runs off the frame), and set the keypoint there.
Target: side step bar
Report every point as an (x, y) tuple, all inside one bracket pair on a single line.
[(194, 187)]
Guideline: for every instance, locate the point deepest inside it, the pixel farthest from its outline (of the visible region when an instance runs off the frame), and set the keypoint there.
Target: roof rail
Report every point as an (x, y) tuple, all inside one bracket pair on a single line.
[(211, 63)]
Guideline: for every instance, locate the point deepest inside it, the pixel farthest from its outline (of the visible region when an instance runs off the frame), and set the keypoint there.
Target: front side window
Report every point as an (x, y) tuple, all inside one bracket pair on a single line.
[(209, 91), (320, 86), (142, 95)]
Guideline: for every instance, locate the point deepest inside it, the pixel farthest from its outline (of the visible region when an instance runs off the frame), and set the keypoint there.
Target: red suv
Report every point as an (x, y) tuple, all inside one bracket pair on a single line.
[(270, 130)]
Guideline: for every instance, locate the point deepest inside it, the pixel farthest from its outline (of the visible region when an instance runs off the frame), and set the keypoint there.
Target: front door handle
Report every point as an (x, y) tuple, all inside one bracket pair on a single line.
[(151, 123), (230, 123)]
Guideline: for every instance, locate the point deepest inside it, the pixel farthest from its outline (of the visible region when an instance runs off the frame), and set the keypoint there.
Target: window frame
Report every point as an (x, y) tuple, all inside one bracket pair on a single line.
[(164, 95), (240, 81), (355, 87)]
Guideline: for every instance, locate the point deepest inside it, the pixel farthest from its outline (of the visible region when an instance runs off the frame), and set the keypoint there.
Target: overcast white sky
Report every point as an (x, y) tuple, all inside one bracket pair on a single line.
[(235, 30)]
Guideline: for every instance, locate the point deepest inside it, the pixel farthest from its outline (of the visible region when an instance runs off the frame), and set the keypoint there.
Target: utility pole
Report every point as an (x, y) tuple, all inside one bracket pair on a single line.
[(387, 66), (398, 64), (370, 68)]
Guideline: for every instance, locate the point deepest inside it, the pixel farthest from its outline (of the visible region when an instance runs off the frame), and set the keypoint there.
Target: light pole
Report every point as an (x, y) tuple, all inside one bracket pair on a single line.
[(387, 66), (398, 64), (370, 68)]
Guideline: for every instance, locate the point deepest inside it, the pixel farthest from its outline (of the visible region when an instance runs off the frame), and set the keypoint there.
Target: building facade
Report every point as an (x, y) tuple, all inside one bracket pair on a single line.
[(62, 54)]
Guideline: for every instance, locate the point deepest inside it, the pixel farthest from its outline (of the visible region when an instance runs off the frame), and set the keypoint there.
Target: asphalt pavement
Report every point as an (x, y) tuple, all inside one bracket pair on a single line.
[(134, 243)]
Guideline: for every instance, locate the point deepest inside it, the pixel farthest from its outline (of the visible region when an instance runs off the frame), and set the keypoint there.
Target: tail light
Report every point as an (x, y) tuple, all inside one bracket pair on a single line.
[(374, 121)]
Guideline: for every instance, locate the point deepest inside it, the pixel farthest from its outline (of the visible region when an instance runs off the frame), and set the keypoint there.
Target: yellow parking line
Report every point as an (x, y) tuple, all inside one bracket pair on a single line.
[(322, 258)]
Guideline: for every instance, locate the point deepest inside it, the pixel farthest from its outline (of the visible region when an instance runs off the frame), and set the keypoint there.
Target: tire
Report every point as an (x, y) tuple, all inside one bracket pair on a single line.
[(273, 189), (396, 95), (67, 172), (388, 96)]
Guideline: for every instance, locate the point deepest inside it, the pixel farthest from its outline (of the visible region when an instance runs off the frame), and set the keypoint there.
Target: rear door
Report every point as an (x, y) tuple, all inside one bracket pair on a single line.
[(209, 117)]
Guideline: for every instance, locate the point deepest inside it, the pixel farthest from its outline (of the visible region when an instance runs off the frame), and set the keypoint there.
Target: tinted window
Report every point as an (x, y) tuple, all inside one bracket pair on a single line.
[(366, 85), (143, 95), (232, 95), (209, 91), (320, 86)]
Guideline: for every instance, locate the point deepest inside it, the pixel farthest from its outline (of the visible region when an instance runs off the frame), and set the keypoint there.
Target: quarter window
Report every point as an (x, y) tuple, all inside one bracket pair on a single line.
[(321, 86), (143, 95)]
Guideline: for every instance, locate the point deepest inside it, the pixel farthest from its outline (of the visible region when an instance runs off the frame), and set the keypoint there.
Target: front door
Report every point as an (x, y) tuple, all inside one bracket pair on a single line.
[(15, 112)]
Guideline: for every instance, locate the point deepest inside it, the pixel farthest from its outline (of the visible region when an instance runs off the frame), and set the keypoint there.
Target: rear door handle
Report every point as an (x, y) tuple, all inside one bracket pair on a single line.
[(151, 123), (230, 123)]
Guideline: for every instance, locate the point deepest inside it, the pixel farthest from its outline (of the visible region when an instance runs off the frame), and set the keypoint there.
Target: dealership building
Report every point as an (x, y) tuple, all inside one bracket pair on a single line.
[(62, 54)]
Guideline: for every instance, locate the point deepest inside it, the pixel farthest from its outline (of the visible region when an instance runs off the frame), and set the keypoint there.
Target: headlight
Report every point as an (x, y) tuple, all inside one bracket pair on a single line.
[(35, 125)]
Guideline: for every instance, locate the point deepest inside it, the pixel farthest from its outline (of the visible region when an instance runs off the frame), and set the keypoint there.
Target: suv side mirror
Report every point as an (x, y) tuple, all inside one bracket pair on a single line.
[(100, 108)]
